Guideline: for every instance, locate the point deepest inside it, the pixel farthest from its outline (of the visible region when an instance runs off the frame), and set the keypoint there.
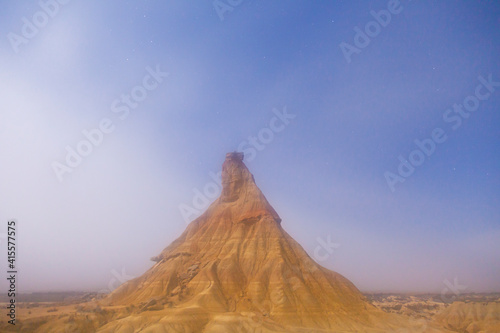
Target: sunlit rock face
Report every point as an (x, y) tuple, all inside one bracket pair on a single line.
[(235, 177), (235, 269)]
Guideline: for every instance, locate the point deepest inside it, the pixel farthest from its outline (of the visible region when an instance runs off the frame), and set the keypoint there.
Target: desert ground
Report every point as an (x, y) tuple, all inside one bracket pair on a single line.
[(470, 313)]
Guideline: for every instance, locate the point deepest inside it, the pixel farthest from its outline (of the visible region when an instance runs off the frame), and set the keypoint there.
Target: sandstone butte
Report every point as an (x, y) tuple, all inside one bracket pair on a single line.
[(235, 269)]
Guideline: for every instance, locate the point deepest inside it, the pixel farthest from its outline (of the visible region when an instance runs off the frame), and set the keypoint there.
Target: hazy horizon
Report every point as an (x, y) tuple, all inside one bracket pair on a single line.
[(321, 129)]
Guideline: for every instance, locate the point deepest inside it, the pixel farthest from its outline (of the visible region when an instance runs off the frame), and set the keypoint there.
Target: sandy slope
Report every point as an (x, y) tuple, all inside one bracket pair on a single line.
[(471, 317)]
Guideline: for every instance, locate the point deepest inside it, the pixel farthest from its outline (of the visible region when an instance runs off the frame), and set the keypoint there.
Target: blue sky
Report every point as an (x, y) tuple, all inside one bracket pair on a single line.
[(323, 172)]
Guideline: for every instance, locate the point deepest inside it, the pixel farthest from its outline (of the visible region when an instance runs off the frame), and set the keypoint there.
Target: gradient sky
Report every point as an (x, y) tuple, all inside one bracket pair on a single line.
[(323, 173)]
